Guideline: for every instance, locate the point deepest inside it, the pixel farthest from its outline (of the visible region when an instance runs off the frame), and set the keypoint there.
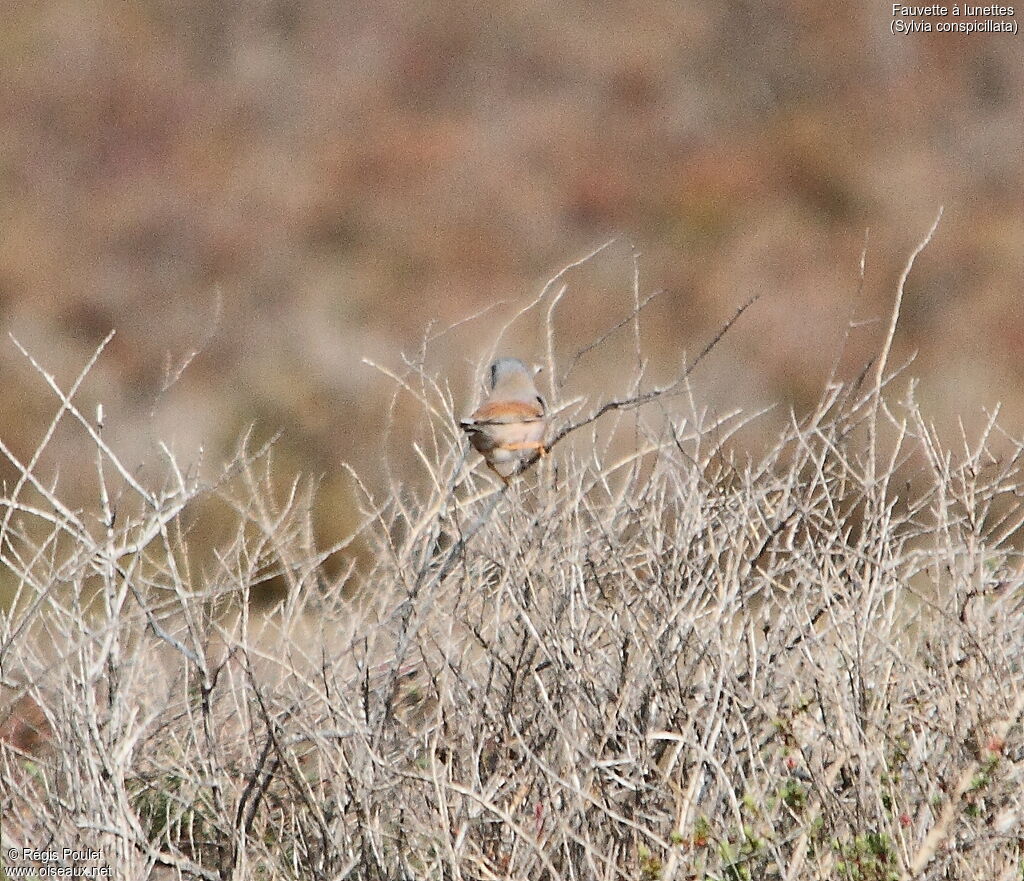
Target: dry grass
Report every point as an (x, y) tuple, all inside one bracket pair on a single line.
[(666, 660)]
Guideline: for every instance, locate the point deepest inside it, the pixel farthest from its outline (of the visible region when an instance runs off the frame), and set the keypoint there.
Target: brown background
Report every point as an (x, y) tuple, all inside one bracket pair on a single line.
[(290, 188)]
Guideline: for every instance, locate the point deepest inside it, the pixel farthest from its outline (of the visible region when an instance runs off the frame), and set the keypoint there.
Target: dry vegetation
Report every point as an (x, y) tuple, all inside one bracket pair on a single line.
[(327, 178), (667, 660)]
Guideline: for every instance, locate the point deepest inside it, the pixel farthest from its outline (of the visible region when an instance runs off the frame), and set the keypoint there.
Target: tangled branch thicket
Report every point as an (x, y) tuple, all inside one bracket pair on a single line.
[(674, 662)]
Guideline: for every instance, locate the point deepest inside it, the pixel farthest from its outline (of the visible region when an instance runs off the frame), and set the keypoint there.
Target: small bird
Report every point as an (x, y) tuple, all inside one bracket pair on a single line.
[(510, 424)]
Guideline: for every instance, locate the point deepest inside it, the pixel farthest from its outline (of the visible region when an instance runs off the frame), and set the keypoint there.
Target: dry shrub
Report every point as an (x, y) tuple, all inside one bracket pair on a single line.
[(670, 661)]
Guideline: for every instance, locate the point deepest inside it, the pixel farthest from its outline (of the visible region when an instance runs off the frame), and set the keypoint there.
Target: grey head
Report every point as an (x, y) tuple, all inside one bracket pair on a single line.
[(505, 368), (512, 380)]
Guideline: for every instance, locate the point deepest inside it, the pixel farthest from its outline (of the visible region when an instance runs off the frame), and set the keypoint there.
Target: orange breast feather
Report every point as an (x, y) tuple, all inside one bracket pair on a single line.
[(508, 411)]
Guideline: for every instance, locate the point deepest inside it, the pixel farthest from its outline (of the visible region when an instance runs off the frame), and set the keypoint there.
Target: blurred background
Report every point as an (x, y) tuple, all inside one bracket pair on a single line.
[(287, 188)]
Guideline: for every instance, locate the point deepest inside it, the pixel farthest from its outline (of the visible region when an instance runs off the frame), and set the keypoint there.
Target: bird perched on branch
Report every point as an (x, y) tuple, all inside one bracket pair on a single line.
[(508, 428)]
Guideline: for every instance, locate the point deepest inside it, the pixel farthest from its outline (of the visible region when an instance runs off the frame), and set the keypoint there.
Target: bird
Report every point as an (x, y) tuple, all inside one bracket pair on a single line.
[(509, 426)]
